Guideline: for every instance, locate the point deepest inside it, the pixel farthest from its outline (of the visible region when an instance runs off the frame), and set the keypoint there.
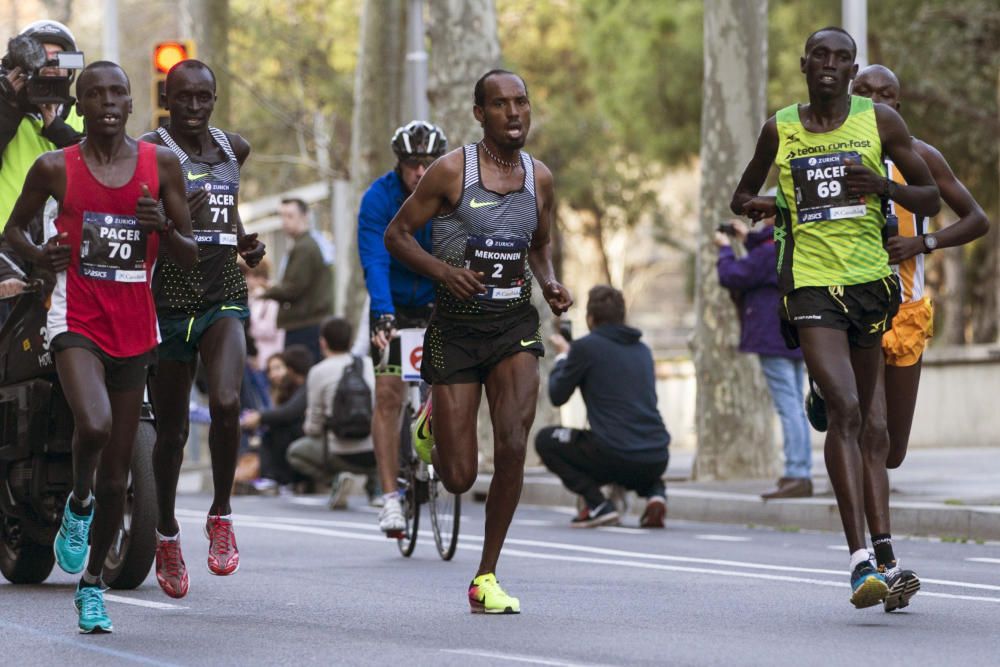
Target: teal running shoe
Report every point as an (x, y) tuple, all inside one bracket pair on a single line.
[(89, 601), (71, 543), (868, 586), (423, 434)]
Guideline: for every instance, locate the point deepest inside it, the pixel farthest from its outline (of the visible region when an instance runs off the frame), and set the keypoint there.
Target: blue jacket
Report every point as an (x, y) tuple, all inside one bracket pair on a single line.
[(390, 283), (614, 371), (753, 282)]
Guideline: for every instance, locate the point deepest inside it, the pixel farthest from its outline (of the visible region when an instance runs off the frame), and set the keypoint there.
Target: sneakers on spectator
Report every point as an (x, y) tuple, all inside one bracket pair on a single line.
[(373, 489), (604, 514), (340, 488), (223, 556), (655, 514), (265, 486)]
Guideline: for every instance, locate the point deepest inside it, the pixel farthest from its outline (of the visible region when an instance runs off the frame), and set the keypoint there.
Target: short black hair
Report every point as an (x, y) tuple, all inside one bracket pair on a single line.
[(298, 358), (605, 305), (190, 63), (832, 28), (337, 332), (479, 93), (96, 65), (303, 206)]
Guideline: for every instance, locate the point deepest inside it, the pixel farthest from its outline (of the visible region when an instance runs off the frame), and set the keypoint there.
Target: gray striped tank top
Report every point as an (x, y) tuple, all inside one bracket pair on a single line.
[(489, 233), (216, 279)]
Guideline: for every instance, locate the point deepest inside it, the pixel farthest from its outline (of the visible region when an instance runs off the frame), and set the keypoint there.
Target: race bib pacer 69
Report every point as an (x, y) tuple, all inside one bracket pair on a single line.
[(821, 187), (501, 261), (112, 247), (215, 223)]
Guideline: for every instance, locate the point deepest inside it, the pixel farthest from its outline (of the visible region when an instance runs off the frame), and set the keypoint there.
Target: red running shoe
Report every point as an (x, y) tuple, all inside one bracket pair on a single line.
[(655, 514), (223, 556), (171, 573)]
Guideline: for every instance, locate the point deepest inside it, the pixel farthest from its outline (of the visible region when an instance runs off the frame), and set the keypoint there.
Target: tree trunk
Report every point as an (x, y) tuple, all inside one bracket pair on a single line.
[(733, 408), (377, 103)]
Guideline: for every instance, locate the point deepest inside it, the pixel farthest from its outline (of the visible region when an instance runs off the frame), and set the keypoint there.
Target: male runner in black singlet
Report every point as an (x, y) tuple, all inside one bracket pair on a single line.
[(200, 310), (494, 206)]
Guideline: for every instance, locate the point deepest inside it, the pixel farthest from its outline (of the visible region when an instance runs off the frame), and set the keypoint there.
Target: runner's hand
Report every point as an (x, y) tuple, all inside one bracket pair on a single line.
[(54, 256), (759, 208), (861, 180), (250, 249), (197, 199), (383, 331), (902, 248), (557, 296), (11, 287), (464, 283), (148, 214)]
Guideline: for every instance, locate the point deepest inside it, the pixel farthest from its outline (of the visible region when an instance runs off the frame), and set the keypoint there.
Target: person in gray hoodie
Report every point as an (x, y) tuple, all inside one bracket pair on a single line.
[(627, 442)]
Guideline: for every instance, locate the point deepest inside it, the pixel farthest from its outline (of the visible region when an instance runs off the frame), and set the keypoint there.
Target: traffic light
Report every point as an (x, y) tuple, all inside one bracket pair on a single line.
[(165, 56)]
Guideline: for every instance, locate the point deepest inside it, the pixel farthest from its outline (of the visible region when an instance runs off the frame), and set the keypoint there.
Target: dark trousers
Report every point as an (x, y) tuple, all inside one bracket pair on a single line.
[(308, 336), (584, 466)]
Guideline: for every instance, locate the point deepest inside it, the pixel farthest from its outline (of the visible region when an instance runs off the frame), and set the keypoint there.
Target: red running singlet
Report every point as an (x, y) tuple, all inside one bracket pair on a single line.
[(104, 295)]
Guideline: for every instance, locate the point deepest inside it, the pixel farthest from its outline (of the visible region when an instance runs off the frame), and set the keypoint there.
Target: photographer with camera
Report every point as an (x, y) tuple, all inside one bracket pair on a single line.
[(752, 281)]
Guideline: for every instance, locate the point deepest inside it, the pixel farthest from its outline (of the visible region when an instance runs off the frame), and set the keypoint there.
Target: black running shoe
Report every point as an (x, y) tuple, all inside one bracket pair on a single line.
[(816, 408), (604, 514), (903, 585)]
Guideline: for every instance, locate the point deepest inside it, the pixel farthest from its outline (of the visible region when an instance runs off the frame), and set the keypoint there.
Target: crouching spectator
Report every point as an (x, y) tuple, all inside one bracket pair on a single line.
[(320, 454), (627, 443)]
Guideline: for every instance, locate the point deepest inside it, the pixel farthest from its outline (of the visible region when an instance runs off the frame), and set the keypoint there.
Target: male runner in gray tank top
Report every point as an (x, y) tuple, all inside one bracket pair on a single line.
[(493, 205)]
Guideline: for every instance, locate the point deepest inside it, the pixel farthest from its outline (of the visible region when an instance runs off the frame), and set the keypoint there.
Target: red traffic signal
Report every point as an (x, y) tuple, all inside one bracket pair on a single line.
[(168, 54)]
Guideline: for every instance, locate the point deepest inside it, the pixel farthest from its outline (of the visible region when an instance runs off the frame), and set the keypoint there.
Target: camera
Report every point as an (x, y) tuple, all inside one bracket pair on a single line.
[(566, 330), (727, 228), (40, 87)]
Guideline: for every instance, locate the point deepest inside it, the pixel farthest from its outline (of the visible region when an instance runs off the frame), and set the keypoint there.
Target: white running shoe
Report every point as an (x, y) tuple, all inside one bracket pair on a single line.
[(391, 519)]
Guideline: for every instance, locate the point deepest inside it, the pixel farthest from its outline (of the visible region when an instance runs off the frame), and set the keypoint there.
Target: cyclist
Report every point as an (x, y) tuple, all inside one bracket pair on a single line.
[(400, 298)]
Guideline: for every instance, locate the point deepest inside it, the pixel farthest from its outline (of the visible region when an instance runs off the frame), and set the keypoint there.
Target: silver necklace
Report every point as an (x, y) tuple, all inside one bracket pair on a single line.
[(502, 163)]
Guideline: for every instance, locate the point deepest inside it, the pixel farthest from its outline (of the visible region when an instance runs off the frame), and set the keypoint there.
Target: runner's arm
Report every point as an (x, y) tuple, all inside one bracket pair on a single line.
[(178, 237), (920, 194), (435, 192), (746, 200), (540, 252), (46, 178), (251, 249)]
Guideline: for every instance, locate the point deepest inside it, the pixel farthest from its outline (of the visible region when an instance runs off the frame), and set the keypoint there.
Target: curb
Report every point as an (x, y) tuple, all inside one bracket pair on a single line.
[(968, 522)]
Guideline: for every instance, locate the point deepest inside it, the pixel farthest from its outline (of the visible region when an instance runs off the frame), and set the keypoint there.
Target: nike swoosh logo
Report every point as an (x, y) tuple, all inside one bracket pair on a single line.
[(529, 342), (231, 308), (481, 204), (195, 177)]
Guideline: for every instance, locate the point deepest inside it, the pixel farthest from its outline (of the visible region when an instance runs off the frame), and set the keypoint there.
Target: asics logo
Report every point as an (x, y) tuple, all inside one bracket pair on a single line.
[(481, 204), (195, 177), (529, 342)]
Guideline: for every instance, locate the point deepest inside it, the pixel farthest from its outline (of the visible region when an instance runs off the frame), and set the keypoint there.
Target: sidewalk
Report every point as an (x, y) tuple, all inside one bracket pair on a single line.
[(951, 493)]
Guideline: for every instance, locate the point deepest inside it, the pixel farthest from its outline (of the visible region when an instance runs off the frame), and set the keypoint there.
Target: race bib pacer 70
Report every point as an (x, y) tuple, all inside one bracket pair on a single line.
[(821, 187), (112, 247), (501, 261), (215, 223)]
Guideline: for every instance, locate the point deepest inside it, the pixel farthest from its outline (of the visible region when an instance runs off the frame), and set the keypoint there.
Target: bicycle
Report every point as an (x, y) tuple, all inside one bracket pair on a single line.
[(419, 483)]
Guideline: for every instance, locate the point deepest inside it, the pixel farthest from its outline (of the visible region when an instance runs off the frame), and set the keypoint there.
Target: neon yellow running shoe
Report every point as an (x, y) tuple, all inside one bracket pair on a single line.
[(423, 432), (486, 597)]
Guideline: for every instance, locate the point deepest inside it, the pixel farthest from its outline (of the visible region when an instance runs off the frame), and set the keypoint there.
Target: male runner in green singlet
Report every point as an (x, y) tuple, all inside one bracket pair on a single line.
[(839, 292)]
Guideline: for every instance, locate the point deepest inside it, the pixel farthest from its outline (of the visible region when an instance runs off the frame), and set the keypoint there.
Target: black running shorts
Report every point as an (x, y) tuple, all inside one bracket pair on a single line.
[(864, 311), (465, 351), (120, 373)]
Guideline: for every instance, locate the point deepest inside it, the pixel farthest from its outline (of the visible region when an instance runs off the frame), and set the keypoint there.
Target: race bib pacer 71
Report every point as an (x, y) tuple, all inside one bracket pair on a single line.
[(215, 223), (112, 247), (821, 187), (501, 261)]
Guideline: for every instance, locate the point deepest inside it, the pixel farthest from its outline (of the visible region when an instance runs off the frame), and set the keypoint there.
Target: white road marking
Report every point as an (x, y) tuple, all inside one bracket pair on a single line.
[(722, 538), (533, 522), (622, 529), (838, 547), (534, 660), (995, 561), (150, 604)]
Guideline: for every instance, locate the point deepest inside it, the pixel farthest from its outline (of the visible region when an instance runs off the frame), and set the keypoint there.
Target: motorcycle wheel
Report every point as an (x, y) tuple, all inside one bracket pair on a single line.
[(134, 547), (21, 561)]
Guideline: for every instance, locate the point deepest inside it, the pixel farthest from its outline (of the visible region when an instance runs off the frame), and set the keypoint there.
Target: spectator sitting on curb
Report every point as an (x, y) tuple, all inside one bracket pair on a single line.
[(628, 442), (321, 455), (753, 284)]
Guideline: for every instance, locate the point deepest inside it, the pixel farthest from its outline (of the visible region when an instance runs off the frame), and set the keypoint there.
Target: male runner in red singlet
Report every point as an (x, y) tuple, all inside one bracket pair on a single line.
[(102, 322)]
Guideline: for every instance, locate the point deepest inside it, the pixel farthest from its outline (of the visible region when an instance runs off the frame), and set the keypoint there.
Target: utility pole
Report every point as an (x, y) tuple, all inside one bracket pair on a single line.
[(854, 16), (111, 50), (416, 63)]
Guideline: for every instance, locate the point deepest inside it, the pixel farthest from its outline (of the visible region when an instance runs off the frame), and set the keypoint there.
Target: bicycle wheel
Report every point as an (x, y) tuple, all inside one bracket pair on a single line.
[(409, 487), (446, 510)]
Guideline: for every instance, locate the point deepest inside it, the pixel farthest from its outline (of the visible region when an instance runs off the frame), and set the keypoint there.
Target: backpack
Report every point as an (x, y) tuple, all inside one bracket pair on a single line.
[(351, 410)]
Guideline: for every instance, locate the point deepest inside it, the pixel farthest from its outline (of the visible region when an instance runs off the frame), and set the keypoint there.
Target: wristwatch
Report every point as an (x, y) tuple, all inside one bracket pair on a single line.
[(930, 243)]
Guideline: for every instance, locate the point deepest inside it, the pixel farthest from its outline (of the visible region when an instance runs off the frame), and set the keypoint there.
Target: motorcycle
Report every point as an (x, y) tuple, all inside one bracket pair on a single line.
[(36, 462)]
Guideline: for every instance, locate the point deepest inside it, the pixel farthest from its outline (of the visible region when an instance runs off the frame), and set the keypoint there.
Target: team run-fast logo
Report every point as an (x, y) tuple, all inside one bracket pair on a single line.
[(830, 148)]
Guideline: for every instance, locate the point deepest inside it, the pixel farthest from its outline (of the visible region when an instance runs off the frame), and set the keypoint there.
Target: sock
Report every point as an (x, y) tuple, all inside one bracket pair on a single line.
[(858, 557), (390, 496), (89, 579), (883, 551), (224, 517), (168, 538), (80, 507)]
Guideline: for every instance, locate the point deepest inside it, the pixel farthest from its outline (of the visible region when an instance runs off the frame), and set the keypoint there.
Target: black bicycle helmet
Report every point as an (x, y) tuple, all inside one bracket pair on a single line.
[(419, 138), (51, 32)]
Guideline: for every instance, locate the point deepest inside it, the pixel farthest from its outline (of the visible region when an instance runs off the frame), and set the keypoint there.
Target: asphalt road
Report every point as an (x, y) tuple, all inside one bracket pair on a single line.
[(318, 587)]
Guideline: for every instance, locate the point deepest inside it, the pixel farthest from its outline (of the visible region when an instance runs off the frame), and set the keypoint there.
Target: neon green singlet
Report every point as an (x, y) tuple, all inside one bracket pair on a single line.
[(22, 151), (834, 239)]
